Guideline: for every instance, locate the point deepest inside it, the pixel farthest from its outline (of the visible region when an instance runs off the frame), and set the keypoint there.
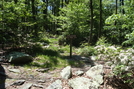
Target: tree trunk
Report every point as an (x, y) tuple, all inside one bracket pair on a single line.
[(62, 5), (45, 15), (34, 17), (15, 1), (116, 6), (91, 22), (100, 27)]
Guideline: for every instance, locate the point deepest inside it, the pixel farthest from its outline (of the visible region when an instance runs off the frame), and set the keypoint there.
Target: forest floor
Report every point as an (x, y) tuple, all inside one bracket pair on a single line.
[(41, 78), (44, 79)]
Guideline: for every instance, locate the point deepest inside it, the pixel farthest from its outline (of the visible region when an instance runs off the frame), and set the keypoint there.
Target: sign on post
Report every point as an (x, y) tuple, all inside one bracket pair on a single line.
[(71, 37)]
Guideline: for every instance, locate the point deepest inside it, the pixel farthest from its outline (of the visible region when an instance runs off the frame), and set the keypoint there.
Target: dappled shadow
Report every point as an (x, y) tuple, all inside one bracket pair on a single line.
[(2, 77), (79, 61), (50, 52), (46, 64), (37, 49)]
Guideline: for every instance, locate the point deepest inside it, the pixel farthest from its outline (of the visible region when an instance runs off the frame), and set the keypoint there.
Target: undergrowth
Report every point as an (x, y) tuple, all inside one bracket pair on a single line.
[(53, 56)]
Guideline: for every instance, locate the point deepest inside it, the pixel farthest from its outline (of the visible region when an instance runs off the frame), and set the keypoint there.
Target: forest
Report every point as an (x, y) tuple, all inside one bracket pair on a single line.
[(25, 20), (101, 28)]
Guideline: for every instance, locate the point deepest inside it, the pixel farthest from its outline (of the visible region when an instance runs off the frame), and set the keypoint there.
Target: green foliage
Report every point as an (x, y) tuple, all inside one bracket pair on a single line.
[(88, 51), (118, 25), (62, 40), (73, 20), (121, 61), (126, 76), (102, 41), (17, 18), (130, 39)]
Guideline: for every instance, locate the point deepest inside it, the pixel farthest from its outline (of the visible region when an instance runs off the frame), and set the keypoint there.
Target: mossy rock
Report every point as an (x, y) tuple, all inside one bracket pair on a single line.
[(19, 58)]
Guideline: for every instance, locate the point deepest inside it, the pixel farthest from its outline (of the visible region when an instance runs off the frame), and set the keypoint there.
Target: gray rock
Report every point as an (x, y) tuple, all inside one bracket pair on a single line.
[(19, 58), (18, 82), (79, 73), (39, 86), (96, 73), (83, 83), (131, 63), (55, 85), (26, 86), (109, 63), (113, 66), (66, 73), (128, 68), (41, 81), (93, 58), (43, 70), (14, 70)]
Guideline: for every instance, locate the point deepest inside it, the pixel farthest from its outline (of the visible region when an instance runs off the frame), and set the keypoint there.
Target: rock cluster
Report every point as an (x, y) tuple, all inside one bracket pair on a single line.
[(78, 79), (124, 58), (91, 79), (117, 56)]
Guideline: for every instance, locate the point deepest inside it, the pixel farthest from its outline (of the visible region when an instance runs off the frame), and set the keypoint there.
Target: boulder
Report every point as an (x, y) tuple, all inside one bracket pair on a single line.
[(96, 73), (83, 83), (19, 58), (55, 85), (66, 73)]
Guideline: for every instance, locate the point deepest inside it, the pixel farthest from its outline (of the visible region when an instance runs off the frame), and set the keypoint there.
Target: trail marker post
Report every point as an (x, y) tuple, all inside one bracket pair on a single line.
[(71, 37)]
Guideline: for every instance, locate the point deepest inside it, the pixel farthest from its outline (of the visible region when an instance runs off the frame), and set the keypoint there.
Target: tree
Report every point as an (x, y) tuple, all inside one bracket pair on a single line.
[(74, 20), (100, 28), (91, 24)]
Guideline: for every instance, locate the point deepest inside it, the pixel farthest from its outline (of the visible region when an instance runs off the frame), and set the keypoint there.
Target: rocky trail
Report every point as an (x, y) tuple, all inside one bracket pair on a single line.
[(93, 75)]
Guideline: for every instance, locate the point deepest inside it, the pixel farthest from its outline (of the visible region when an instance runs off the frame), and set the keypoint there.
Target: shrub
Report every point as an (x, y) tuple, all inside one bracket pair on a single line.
[(107, 53), (62, 40), (102, 41), (88, 51)]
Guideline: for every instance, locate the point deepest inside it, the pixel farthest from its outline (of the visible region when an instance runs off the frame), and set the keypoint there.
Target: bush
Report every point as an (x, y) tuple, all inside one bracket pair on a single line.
[(62, 40), (107, 53), (122, 61), (102, 41), (88, 51)]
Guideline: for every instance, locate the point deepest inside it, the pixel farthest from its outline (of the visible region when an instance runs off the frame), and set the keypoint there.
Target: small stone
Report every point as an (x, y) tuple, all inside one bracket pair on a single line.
[(108, 63), (55, 85), (26, 86), (66, 73), (93, 58), (36, 85), (41, 81), (18, 82), (42, 70), (79, 73), (14, 70)]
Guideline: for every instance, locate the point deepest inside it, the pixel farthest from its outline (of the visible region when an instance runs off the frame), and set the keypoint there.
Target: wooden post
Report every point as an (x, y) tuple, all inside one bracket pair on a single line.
[(70, 48), (71, 37)]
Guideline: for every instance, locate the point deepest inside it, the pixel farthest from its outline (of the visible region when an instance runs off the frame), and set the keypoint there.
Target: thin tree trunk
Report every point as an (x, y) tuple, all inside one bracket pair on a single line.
[(62, 5), (45, 15), (15, 1), (34, 17), (116, 7), (91, 23), (100, 27)]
